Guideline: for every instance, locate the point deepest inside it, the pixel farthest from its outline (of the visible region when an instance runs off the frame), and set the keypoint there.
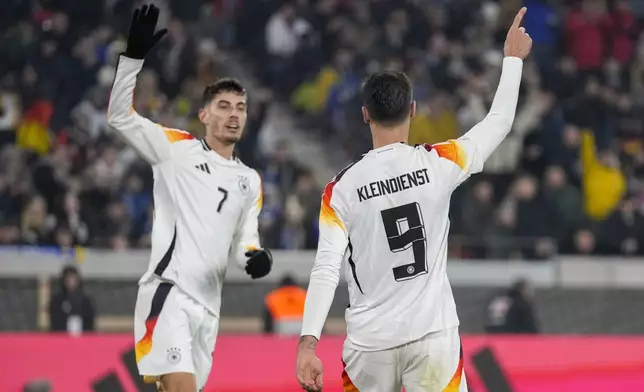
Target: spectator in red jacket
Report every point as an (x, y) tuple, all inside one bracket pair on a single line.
[(620, 30), (584, 35)]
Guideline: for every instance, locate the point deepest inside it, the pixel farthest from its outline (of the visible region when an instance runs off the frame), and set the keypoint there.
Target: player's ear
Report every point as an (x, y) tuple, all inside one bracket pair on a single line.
[(365, 115), (412, 109), (203, 116)]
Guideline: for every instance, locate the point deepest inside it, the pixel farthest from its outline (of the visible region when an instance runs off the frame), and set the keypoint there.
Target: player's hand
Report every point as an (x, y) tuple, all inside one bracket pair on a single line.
[(518, 43), (142, 37), (309, 366), (259, 263)]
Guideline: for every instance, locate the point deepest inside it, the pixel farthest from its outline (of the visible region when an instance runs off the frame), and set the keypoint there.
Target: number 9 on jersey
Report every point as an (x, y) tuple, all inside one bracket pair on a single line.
[(404, 228)]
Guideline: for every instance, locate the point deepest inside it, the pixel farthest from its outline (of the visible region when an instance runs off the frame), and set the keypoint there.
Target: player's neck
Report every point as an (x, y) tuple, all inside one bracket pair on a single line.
[(384, 136), (225, 150)]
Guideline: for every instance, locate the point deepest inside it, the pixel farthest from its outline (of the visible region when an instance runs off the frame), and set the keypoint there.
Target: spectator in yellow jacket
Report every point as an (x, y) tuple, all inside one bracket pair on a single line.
[(435, 122), (603, 182)]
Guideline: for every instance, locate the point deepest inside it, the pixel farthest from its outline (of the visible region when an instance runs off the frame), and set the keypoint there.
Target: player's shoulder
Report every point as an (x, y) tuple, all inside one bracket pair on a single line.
[(345, 177), (450, 150), (182, 139), (348, 173)]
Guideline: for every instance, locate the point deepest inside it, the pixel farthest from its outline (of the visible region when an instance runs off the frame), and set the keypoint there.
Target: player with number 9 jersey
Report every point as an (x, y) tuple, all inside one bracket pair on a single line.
[(386, 215)]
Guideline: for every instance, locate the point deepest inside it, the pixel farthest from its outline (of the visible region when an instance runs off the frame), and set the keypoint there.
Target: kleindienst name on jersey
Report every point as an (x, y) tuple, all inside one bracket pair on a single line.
[(393, 185)]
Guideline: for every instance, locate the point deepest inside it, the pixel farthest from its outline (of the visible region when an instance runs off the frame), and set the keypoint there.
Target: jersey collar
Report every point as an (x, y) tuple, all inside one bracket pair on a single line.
[(216, 156), (387, 147)]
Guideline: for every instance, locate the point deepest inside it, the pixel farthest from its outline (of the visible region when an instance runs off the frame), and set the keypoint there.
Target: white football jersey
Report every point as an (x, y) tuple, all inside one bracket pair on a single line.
[(205, 206), (390, 210), (388, 214)]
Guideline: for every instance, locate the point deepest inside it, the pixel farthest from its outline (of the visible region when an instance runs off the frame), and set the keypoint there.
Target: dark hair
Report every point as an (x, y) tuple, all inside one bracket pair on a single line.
[(387, 97), (222, 85)]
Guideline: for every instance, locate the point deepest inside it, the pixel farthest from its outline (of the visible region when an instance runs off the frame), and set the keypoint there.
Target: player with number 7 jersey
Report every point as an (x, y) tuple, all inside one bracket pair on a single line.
[(206, 207), (387, 216)]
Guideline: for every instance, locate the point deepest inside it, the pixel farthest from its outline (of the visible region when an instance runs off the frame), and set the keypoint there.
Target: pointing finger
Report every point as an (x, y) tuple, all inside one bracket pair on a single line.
[(519, 18)]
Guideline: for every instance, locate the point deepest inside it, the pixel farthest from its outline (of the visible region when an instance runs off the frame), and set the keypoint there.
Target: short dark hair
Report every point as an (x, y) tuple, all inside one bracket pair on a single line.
[(387, 96), (222, 85)]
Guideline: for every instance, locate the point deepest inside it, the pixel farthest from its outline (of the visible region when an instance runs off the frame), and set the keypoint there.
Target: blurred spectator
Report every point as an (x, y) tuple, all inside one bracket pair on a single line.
[(284, 34), (532, 222), (542, 22), (10, 114), (499, 236), (71, 310), (583, 30), (136, 202), (623, 231), (603, 182), (583, 243), (564, 203), (435, 121), (35, 224), (513, 312), (478, 212), (281, 169), (284, 308)]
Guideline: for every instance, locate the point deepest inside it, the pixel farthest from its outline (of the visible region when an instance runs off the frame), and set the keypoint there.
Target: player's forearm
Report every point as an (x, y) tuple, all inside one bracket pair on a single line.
[(489, 133), (247, 238), (120, 111), (319, 296)]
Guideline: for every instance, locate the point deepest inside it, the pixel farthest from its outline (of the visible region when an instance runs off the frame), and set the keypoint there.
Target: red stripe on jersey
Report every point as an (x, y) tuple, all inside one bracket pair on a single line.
[(144, 345), (455, 382), (175, 135), (347, 384), (327, 213), (451, 151)]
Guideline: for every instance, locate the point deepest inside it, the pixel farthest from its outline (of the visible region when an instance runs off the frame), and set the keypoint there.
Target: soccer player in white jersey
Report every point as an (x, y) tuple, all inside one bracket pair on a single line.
[(387, 214), (206, 204)]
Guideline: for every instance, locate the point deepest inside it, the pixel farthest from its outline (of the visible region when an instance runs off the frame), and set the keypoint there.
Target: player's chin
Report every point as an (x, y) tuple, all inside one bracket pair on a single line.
[(232, 139)]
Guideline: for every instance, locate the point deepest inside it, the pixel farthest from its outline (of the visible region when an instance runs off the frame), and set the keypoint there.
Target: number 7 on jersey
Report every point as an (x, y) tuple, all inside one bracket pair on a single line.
[(404, 229)]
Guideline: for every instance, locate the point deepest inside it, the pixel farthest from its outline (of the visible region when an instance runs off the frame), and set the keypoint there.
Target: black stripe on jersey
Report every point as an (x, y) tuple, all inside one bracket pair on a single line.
[(343, 171), (165, 261), (203, 167), (205, 145), (160, 295), (353, 267)]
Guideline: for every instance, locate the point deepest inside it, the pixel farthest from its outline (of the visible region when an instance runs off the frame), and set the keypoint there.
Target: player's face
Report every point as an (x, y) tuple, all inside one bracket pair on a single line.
[(225, 117)]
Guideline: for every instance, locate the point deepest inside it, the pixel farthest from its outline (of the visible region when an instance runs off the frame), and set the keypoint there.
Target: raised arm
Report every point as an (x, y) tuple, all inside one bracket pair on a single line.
[(471, 150), (151, 140)]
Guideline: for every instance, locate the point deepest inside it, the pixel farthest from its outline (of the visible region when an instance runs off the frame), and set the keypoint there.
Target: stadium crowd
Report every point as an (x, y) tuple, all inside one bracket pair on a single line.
[(65, 179), (570, 178)]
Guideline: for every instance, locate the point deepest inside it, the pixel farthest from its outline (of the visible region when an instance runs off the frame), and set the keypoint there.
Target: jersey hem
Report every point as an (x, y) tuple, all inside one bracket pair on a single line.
[(355, 347)]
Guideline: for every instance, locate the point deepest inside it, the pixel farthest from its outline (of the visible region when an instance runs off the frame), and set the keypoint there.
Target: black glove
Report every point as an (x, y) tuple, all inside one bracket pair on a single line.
[(259, 263), (142, 36)]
